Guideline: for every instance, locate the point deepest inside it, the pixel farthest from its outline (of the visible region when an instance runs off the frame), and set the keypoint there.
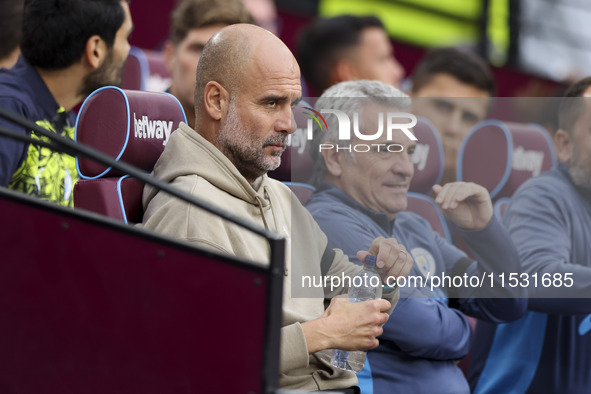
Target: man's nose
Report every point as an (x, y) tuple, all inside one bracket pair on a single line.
[(402, 164), (454, 123), (287, 121), (398, 72)]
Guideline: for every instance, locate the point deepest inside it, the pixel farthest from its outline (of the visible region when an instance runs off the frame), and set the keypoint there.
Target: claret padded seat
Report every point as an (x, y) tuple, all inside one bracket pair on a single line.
[(130, 126)]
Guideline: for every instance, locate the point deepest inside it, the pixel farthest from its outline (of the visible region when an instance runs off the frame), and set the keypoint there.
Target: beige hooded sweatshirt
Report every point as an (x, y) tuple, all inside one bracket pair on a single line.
[(192, 164)]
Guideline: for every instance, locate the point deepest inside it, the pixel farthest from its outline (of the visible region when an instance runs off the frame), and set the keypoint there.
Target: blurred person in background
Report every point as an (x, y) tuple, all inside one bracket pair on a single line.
[(549, 219), (441, 82), (11, 17), (193, 22), (346, 48), (69, 48), (264, 13)]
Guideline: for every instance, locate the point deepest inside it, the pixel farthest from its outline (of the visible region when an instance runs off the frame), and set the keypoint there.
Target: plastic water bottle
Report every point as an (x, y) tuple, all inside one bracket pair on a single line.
[(366, 285)]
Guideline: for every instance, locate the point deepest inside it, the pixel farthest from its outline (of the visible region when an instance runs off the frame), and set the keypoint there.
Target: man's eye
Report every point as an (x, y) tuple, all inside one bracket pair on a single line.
[(469, 118), (443, 106), (272, 104), (197, 49)]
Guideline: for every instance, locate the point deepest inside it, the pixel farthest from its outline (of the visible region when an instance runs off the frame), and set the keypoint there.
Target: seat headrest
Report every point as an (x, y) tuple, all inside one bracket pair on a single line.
[(500, 207), (425, 207), (428, 157), (145, 70), (296, 163), (501, 156), (131, 126)]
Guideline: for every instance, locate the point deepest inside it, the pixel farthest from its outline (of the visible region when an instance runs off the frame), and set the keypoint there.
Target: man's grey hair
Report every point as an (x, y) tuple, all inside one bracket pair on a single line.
[(350, 97)]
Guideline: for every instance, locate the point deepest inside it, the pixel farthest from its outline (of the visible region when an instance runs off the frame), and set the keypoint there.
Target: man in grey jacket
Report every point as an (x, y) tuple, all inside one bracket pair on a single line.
[(247, 83)]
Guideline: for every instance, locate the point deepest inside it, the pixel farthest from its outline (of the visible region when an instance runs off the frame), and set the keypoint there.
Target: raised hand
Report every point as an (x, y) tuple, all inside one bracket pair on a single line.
[(466, 204)]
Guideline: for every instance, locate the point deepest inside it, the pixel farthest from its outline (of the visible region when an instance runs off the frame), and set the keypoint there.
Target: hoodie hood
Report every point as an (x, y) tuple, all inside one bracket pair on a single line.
[(188, 153)]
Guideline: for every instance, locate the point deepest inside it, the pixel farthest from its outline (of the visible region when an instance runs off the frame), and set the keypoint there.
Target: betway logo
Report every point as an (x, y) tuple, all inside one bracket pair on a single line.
[(146, 128), (297, 141), (528, 160)]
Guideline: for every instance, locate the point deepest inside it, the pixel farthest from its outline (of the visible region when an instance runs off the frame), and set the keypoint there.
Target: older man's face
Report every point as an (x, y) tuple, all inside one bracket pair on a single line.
[(378, 179)]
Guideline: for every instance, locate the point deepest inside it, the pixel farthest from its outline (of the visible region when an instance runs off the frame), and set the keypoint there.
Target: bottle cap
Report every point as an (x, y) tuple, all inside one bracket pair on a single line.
[(370, 259)]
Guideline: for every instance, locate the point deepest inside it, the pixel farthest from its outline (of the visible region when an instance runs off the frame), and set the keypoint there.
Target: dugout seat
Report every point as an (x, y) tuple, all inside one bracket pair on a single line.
[(501, 156), (131, 126), (145, 70), (500, 207), (424, 206), (428, 159), (296, 163)]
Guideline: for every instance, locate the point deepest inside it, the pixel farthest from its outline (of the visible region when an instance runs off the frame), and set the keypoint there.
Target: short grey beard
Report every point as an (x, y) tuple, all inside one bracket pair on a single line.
[(580, 174), (233, 134), (580, 177)]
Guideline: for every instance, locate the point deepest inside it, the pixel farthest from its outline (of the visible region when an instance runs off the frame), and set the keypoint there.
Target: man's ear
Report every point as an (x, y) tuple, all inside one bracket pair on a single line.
[(344, 70), (563, 146), (168, 52), (331, 160), (95, 51), (216, 100)]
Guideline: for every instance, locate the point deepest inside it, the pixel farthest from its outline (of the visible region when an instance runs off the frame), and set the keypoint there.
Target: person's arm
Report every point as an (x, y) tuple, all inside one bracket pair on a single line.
[(496, 255), (393, 261), (347, 231), (444, 332), (538, 225), (293, 350), (469, 207), (12, 152), (344, 325), (347, 325)]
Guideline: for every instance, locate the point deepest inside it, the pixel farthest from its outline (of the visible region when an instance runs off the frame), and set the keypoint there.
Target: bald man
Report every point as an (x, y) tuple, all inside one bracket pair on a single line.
[(247, 83)]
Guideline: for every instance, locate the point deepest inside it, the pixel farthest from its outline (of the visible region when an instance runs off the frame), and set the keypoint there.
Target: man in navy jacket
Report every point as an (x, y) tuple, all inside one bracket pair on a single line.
[(549, 219), (361, 195)]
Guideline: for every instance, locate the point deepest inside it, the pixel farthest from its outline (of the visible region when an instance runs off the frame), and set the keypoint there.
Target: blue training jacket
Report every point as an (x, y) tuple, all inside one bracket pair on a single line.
[(424, 337), (549, 349)]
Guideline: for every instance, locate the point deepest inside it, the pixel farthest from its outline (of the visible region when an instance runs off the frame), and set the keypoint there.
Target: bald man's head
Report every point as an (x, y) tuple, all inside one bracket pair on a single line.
[(228, 55), (247, 84)]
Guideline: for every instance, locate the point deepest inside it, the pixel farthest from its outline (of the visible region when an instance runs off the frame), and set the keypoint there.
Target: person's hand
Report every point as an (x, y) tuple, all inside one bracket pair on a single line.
[(392, 259), (347, 325), (466, 204)]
